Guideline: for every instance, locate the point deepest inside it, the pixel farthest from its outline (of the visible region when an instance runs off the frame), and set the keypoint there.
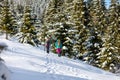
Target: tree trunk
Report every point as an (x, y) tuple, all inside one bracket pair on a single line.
[(6, 35)]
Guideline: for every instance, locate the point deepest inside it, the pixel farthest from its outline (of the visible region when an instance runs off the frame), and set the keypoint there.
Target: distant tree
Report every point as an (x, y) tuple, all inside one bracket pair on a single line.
[(20, 9), (29, 34), (8, 23)]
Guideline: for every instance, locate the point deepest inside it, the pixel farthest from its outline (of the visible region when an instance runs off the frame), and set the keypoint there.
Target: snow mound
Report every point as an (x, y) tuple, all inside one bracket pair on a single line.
[(4, 72)]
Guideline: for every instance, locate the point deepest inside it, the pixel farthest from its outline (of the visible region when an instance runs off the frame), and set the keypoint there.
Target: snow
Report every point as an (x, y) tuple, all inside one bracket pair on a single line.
[(26, 62), (3, 44), (4, 72)]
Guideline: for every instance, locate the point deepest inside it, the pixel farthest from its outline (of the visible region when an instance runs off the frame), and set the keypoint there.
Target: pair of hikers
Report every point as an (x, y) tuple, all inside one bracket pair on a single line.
[(58, 46)]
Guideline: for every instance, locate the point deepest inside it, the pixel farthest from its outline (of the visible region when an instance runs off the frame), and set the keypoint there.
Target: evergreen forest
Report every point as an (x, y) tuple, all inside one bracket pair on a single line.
[(89, 30)]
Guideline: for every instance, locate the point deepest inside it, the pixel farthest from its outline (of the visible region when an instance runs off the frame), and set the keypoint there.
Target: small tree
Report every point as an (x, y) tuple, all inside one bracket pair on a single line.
[(28, 30)]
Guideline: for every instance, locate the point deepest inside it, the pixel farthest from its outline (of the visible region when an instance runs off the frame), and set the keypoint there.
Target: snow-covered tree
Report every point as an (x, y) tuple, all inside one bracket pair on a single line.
[(110, 54), (29, 34), (69, 40), (7, 23), (78, 17), (48, 19), (98, 15), (97, 27), (93, 45)]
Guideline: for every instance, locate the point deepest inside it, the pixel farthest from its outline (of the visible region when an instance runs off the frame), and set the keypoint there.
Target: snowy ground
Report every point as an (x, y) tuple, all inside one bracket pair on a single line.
[(29, 63)]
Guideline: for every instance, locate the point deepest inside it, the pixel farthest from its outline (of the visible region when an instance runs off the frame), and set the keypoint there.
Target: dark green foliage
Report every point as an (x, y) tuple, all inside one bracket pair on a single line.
[(8, 22), (20, 9), (93, 45), (80, 20), (109, 55), (29, 34)]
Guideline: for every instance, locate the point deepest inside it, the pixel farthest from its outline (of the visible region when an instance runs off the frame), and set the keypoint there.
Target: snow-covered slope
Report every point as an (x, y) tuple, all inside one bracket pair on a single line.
[(29, 63)]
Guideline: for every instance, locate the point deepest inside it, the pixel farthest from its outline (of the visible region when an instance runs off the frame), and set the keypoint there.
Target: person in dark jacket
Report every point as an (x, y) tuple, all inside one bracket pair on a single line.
[(48, 45)]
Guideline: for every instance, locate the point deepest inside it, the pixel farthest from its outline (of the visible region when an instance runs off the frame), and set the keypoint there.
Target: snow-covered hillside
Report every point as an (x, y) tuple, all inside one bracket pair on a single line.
[(26, 62)]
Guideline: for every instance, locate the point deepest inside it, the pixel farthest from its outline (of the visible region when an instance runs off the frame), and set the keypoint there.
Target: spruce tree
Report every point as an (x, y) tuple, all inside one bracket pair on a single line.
[(98, 15), (69, 40), (78, 17), (47, 18), (8, 23), (109, 56), (97, 26), (28, 31), (93, 45)]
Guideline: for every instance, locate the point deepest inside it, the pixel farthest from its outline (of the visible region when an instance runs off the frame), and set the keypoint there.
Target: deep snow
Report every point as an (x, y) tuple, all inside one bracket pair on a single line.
[(26, 62)]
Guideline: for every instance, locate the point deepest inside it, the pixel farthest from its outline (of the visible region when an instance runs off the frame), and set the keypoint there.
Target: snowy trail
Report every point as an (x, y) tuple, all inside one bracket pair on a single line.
[(29, 63)]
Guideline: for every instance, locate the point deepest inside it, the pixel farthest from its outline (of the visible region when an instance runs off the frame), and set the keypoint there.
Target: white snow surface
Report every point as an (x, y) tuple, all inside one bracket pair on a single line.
[(4, 71), (26, 62)]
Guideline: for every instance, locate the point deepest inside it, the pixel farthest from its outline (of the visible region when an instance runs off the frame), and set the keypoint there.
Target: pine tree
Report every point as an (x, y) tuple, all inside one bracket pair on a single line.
[(98, 15), (118, 23), (46, 18), (29, 34), (93, 45), (109, 56), (8, 23), (78, 18), (97, 27), (68, 41)]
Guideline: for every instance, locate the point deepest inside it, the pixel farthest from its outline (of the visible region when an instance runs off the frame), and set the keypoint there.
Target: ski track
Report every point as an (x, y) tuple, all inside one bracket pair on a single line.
[(53, 66), (50, 64)]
